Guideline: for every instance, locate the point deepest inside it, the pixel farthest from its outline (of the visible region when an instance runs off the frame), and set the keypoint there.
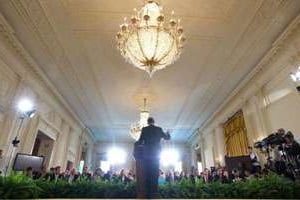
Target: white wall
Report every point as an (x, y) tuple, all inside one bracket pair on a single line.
[(283, 109)]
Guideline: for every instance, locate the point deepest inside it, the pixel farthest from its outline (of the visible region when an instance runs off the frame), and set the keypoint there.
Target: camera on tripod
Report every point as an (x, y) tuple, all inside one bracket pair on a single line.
[(273, 139)]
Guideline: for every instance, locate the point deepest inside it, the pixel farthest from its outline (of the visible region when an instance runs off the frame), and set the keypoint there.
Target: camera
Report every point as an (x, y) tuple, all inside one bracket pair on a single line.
[(273, 139)]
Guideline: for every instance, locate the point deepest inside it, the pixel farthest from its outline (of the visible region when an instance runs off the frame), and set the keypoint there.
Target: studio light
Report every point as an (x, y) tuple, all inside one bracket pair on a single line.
[(116, 156), (25, 105), (169, 157), (26, 108)]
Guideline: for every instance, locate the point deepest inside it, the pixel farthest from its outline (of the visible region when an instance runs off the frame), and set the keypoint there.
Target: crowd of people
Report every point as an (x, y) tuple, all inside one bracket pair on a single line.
[(213, 174)]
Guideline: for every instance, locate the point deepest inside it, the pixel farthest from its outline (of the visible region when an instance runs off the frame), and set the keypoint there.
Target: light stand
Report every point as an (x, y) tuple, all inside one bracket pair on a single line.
[(26, 111)]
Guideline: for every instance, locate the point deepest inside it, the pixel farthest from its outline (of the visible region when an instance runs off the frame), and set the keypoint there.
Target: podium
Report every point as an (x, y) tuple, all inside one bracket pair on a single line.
[(140, 171)]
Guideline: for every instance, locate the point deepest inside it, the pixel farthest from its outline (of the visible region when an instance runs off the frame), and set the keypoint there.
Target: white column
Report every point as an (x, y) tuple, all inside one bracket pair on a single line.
[(220, 144), (61, 146), (208, 150)]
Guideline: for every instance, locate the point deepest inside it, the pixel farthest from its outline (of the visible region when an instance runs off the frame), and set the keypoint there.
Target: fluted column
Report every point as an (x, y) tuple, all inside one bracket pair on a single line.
[(61, 146)]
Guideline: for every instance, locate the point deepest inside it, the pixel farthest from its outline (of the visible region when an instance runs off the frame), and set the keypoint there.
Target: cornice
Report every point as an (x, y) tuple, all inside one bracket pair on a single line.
[(35, 72), (251, 82)]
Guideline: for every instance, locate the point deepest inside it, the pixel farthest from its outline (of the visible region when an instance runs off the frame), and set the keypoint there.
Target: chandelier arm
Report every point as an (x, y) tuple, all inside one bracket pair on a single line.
[(156, 44), (140, 44), (170, 49)]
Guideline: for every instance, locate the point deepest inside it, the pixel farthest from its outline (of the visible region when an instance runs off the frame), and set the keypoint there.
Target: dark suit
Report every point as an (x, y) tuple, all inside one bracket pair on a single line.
[(150, 138)]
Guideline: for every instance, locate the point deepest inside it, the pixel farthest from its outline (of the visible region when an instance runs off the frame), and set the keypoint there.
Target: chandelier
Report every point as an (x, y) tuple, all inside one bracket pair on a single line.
[(136, 128), (148, 40)]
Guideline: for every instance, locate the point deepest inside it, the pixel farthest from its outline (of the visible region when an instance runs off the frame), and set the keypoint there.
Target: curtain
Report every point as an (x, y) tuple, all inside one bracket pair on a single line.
[(236, 142)]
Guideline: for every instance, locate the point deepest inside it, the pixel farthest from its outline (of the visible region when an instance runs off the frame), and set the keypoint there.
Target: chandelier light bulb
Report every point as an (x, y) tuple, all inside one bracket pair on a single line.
[(149, 41)]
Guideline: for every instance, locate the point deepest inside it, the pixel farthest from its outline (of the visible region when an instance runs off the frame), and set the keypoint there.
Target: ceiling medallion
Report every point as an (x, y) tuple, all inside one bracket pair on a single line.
[(136, 128), (148, 40)]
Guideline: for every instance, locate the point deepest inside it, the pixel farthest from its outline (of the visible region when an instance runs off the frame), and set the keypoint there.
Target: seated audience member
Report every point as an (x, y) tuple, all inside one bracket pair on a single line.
[(122, 175), (169, 177), (226, 178), (161, 178), (206, 176), (107, 176), (72, 176), (41, 174), (236, 175), (29, 172), (56, 175), (254, 160), (176, 176), (193, 175), (86, 174), (129, 177), (1, 162), (98, 174)]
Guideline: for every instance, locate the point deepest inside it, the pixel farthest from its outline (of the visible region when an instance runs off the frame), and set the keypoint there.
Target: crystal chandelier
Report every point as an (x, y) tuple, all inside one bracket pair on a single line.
[(136, 128), (148, 41)]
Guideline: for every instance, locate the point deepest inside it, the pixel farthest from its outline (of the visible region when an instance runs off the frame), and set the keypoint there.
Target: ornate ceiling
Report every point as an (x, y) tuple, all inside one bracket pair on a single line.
[(73, 43)]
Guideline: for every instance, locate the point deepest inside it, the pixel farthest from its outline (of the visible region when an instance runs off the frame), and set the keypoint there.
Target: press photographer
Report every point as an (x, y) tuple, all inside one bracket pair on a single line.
[(282, 153)]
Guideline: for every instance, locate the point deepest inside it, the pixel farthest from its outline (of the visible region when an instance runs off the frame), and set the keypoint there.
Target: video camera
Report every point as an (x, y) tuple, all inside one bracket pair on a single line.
[(272, 139)]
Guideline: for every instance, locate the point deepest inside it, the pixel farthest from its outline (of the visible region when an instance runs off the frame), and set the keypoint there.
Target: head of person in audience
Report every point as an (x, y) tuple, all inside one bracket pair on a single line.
[(250, 149), (57, 170), (29, 172), (52, 170), (220, 172), (289, 137), (98, 172), (73, 171), (225, 173), (85, 170), (281, 131)]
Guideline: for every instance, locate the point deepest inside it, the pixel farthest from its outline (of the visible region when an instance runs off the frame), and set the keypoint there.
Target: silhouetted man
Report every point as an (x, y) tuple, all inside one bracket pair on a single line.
[(150, 138)]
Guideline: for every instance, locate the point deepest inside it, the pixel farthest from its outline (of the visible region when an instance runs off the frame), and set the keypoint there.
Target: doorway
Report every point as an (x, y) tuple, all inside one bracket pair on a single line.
[(43, 146)]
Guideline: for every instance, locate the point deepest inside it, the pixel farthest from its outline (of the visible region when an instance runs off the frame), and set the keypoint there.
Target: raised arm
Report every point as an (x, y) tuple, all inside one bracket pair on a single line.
[(165, 135)]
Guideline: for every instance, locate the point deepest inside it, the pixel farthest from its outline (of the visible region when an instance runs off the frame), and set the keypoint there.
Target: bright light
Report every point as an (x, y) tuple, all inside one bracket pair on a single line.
[(105, 166), (80, 167), (178, 167), (296, 76), (169, 157), (116, 156), (25, 105)]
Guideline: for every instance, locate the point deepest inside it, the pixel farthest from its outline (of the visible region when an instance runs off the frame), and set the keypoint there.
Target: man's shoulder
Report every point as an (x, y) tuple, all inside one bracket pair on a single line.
[(152, 127)]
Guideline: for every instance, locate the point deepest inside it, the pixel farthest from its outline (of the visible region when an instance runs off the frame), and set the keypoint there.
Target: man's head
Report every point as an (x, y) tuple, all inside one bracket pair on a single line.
[(250, 149), (289, 137), (281, 131), (150, 121), (29, 171)]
